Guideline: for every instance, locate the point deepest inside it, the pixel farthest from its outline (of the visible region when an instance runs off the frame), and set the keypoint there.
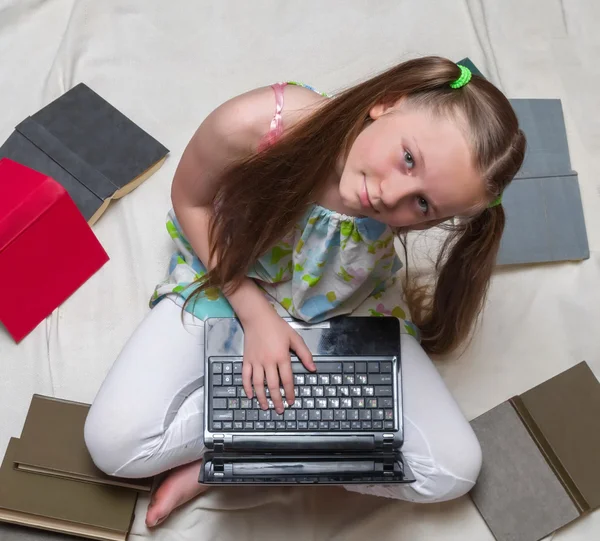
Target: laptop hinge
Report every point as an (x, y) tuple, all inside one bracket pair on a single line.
[(389, 460), (219, 443)]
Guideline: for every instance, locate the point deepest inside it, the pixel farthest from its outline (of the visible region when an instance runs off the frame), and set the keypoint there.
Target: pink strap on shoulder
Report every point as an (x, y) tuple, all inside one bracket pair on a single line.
[(276, 128)]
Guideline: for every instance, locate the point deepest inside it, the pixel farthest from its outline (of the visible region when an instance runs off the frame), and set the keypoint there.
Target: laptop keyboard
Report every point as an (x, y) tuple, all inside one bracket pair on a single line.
[(340, 396)]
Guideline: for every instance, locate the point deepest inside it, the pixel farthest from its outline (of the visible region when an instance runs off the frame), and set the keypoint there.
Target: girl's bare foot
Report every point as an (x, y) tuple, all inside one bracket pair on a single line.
[(179, 487)]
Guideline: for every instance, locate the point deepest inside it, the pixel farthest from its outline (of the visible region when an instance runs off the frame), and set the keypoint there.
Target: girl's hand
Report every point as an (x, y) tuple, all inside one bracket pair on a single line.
[(268, 340)]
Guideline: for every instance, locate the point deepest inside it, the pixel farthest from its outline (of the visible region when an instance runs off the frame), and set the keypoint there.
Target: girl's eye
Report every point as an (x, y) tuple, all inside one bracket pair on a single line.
[(408, 159), (423, 205)]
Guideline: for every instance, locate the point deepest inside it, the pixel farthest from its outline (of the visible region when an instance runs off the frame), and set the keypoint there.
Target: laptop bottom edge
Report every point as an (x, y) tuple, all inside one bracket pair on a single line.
[(289, 469)]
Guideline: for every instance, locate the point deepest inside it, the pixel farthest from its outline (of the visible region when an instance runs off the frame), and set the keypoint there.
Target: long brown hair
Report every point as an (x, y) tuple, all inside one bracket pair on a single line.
[(260, 198)]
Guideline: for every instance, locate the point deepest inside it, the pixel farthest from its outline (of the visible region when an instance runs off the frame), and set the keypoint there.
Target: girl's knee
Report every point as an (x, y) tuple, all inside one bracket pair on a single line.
[(111, 444), (451, 476)]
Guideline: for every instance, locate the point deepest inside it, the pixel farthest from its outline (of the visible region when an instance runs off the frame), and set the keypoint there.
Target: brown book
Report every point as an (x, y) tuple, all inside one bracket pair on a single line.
[(61, 505), (52, 443), (540, 457)]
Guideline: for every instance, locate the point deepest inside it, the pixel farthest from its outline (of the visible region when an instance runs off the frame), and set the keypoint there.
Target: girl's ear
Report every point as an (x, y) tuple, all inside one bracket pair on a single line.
[(377, 111)]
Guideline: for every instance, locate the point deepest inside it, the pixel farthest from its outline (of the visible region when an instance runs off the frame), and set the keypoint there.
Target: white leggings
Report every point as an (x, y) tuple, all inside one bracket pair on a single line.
[(147, 416)]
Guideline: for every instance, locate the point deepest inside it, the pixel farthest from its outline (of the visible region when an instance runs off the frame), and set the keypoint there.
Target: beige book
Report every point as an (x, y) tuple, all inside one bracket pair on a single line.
[(61, 505), (52, 443)]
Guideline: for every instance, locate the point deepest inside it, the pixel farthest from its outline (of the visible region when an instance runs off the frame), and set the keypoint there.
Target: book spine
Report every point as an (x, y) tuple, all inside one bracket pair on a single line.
[(549, 455), (84, 173)]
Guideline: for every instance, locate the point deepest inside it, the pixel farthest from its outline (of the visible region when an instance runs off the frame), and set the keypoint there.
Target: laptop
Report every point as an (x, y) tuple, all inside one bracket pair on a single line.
[(346, 423)]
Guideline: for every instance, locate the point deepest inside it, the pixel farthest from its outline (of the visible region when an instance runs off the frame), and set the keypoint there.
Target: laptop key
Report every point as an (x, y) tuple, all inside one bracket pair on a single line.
[(388, 424), (348, 379), (280, 425), (343, 391), (323, 379), (217, 368), (220, 403), (217, 380), (305, 391), (386, 368), (239, 415), (270, 425), (311, 379), (228, 425), (289, 415), (373, 367), (386, 403), (333, 403), (302, 415), (224, 392), (378, 415), (297, 403), (368, 390), (349, 367), (308, 403), (259, 425), (237, 368), (245, 403), (314, 415), (380, 379), (361, 379), (237, 380), (313, 425), (227, 368), (377, 425), (389, 415), (222, 415), (321, 403), (329, 367), (383, 390), (238, 425), (334, 425), (364, 415), (336, 379), (227, 379), (327, 415), (318, 391), (366, 425), (355, 425), (242, 393), (360, 367), (264, 415), (358, 402), (298, 379), (323, 425), (233, 403), (248, 425), (330, 391), (352, 415), (276, 416), (290, 425), (302, 425), (339, 415), (371, 402), (252, 415), (217, 425), (356, 391), (345, 425), (346, 403)]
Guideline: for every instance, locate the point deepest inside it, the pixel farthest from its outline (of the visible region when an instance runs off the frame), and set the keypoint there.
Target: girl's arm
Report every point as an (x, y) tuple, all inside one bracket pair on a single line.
[(231, 132)]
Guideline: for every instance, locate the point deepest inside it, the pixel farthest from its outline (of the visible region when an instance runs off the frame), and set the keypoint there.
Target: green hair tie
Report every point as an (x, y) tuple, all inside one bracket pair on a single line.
[(465, 77), (496, 202)]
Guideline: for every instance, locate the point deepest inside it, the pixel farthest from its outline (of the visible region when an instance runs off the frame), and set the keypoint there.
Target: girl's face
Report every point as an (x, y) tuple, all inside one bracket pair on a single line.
[(410, 168)]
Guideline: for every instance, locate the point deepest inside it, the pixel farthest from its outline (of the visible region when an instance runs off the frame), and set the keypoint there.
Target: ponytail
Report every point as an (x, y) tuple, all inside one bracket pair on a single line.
[(464, 268)]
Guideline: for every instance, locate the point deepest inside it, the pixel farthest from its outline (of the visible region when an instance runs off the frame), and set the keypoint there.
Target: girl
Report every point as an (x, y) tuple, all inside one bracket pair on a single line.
[(291, 199)]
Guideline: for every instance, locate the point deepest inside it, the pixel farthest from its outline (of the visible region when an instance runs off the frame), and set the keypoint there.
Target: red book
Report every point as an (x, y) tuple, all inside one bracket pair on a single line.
[(47, 249)]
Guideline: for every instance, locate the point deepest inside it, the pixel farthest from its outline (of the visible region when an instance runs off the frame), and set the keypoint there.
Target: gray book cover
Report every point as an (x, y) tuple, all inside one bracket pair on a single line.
[(87, 145), (544, 211), (517, 493)]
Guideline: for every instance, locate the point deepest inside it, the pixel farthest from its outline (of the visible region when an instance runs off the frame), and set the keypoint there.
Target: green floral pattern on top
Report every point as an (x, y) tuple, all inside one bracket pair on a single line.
[(328, 265)]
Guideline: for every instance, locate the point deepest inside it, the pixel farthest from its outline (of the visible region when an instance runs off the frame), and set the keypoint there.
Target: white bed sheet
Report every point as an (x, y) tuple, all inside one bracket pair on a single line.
[(167, 65)]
